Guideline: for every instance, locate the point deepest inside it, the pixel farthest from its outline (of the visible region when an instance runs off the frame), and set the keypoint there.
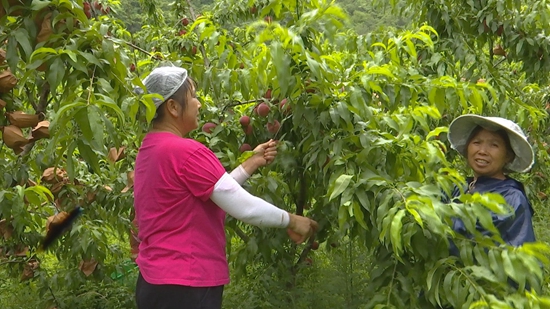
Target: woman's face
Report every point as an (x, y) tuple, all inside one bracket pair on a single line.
[(487, 154), (190, 115)]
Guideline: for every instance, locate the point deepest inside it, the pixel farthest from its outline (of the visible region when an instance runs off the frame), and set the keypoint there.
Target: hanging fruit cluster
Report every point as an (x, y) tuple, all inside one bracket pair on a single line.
[(13, 135)]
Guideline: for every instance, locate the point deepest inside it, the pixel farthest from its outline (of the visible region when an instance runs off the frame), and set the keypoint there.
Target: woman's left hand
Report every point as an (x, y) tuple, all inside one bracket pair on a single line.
[(265, 153)]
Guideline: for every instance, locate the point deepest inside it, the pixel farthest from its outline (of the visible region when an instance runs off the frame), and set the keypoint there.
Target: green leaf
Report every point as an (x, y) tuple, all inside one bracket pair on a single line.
[(96, 125), (38, 5), (508, 266), (519, 46), (70, 160), (343, 215), (12, 55), (359, 215), (89, 156), (147, 100), (23, 39), (415, 215), (281, 62), (111, 129), (341, 184), (380, 70), (395, 232), (40, 194), (81, 118), (483, 273), (56, 72), (65, 113), (315, 67), (363, 198), (41, 52)]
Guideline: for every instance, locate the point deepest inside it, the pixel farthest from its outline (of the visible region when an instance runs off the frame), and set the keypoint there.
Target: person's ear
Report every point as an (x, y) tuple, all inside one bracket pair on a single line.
[(172, 107)]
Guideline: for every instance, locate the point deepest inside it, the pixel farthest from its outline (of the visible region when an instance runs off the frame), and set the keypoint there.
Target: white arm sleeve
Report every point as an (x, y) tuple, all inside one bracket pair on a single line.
[(239, 174), (241, 205)]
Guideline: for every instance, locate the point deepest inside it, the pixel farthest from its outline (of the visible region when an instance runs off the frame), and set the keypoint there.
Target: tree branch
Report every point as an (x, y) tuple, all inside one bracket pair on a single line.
[(140, 49), (491, 53), (241, 234), (203, 50), (40, 109), (501, 61), (31, 100), (303, 255), (301, 200), (237, 103), (43, 102), (11, 261)]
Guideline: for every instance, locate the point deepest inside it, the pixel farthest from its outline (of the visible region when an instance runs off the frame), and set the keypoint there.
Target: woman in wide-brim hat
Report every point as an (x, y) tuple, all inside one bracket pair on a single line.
[(493, 147)]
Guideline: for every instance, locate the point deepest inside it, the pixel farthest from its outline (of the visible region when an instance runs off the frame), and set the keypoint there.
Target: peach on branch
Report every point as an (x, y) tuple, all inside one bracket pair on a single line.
[(245, 147), (208, 127), (244, 121), (262, 110), (248, 130), (314, 245), (285, 106), (267, 94), (273, 127), (87, 9)]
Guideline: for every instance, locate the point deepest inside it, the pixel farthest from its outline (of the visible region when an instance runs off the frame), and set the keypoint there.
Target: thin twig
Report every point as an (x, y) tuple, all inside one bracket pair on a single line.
[(391, 283), (40, 109), (138, 48), (241, 234), (303, 255), (237, 103), (11, 261), (491, 53), (501, 61), (90, 87), (51, 291), (43, 103), (31, 100), (203, 50), (27, 148)]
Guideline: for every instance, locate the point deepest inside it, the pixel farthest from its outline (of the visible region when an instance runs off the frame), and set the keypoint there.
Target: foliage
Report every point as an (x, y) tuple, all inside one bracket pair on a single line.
[(366, 17), (363, 145)]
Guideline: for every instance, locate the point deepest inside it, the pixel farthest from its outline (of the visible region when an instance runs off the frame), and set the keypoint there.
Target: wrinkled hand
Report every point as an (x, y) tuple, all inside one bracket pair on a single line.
[(301, 228), (265, 153)]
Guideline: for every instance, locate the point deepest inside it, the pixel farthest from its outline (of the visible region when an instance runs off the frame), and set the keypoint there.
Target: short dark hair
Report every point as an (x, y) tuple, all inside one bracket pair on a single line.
[(179, 96), (502, 133)]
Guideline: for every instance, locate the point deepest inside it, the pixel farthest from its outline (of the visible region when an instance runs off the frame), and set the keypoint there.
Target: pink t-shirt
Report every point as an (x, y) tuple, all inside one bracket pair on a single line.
[(181, 230)]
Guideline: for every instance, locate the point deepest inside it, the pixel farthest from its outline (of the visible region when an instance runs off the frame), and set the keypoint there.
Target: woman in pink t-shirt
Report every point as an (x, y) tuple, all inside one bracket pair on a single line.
[(182, 194)]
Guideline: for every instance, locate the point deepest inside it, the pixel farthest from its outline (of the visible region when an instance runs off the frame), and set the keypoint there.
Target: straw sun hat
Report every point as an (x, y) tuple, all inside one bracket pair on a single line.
[(461, 128)]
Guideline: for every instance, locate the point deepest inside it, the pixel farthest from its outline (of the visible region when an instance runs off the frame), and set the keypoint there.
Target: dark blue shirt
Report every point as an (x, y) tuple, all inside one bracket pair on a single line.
[(516, 228)]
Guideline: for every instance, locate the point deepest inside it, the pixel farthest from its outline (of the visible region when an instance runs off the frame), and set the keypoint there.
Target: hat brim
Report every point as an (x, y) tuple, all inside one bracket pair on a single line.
[(461, 128)]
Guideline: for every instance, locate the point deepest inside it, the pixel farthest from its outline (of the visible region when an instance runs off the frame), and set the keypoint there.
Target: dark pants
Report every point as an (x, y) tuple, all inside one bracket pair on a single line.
[(151, 296)]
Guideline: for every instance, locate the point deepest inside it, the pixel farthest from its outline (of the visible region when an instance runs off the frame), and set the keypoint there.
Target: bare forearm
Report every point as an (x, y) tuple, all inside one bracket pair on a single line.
[(250, 166)]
